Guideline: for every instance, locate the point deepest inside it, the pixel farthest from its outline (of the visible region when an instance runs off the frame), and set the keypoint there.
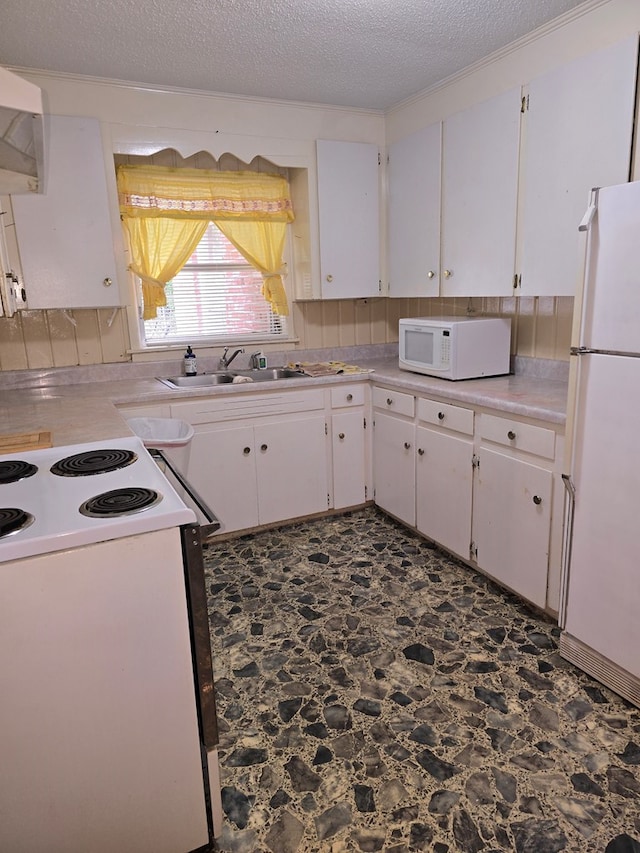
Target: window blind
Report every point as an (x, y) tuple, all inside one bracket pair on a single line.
[(216, 295)]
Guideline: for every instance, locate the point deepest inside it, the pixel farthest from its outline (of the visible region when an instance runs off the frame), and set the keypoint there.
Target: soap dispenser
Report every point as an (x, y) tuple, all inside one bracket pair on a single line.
[(190, 363)]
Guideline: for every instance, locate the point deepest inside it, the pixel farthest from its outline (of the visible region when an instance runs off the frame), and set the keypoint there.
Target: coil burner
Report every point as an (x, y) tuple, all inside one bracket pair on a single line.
[(93, 462), (14, 470), (123, 501), (13, 520)]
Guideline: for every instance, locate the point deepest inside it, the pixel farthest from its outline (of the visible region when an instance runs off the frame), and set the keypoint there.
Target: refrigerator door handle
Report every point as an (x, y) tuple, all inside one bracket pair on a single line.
[(567, 536), (587, 219)]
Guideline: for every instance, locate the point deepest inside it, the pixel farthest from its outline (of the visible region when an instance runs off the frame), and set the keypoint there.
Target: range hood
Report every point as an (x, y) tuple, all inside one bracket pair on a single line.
[(21, 135)]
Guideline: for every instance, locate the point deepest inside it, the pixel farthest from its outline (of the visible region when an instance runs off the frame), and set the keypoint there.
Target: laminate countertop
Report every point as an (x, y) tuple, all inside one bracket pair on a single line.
[(77, 412)]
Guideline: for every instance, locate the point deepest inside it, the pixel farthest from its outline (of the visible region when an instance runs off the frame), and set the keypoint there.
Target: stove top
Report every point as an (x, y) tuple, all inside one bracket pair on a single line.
[(66, 497)]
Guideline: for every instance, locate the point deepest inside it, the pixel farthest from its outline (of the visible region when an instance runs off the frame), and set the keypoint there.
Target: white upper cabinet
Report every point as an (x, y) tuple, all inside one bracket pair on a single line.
[(414, 213), (578, 133), (479, 197), (349, 220), (65, 235)]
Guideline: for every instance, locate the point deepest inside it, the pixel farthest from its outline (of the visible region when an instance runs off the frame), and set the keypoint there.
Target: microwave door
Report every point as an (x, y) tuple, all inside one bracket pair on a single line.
[(420, 346)]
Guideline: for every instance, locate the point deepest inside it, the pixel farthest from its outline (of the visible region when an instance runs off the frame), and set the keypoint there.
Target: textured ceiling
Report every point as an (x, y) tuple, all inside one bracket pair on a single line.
[(354, 53)]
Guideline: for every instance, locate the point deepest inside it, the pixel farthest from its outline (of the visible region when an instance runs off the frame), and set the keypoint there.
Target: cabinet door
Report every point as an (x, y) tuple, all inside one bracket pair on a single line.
[(578, 135), (511, 523), (222, 469), (444, 482), (479, 197), (291, 463), (414, 213), (64, 235), (349, 219), (348, 446), (394, 467)]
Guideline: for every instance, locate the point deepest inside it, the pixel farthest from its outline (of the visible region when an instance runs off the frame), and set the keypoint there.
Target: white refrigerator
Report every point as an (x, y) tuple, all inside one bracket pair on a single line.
[(600, 605)]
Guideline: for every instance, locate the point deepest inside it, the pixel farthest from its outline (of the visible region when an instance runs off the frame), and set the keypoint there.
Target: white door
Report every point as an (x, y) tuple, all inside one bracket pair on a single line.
[(394, 467), (444, 480), (479, 197), (291, 462), (348, 190), (222, 469), (612, 294), (579, 127), (414, 213), (511, 523), (604, 592), (348, 445), (64, 235)]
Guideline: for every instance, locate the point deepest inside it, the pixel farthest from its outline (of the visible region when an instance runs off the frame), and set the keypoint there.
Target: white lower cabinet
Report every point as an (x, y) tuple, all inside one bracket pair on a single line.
[(511, 523), (261, 458), (444, 475), (479, 485), (512, 503), (349, 445), (394, 466)]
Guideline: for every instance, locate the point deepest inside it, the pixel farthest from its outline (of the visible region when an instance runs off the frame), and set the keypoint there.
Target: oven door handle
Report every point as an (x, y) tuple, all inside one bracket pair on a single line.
[(213, 523)]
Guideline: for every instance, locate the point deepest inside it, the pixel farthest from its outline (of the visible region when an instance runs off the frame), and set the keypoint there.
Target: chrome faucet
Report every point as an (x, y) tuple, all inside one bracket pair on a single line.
[(224, 361)]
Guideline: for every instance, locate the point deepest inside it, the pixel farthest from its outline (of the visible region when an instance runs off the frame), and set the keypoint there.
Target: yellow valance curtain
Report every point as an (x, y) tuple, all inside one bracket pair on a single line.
[(166, 211)]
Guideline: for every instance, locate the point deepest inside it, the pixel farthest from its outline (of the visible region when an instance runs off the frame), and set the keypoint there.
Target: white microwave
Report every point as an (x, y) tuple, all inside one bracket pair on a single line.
[(455, 347)]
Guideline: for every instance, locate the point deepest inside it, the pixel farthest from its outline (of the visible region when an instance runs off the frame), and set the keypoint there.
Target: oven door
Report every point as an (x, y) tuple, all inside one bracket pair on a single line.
[(207, 519)]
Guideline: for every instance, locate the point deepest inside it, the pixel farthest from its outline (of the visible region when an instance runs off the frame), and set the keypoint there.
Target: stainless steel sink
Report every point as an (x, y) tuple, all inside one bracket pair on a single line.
[(270, 373), (207, 380), (201, 380)]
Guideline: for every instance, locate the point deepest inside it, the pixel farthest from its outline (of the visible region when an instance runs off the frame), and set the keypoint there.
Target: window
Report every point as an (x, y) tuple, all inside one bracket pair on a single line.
[(216, 295)]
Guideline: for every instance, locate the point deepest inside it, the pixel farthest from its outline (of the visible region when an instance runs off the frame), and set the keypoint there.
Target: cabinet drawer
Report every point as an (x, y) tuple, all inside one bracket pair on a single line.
[(446, 416), (230, 408), (394, 401), (350, 395), (520, 436)]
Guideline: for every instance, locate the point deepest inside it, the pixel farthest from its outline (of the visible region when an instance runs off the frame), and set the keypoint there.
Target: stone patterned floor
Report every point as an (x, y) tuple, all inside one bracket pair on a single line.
[(376, 695)]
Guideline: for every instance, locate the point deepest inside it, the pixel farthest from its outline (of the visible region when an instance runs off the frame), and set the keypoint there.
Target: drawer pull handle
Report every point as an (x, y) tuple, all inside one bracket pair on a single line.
[(340, 435), (511, 435), (247, 451), (389, 401), (349, 398), (440, 416), (537, 500), (407, 445), (264, 447), (420, 451)]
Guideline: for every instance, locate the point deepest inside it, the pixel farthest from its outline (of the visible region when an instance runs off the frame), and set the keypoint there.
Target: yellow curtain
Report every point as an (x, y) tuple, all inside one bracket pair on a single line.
[(261, 244), (250, 208), (159, 250)]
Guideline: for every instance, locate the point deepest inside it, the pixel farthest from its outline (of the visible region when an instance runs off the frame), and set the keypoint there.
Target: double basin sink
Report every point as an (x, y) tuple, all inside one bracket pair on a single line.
[(206, 380)]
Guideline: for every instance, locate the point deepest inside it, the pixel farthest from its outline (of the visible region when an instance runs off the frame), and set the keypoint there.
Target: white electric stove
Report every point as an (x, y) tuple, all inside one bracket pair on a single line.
[(64, 497), (108, 731)]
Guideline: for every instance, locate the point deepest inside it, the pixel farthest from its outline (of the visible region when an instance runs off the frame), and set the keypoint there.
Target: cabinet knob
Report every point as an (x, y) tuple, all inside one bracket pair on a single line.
[(537, 500), (329, 278), (264, 447), (107, 282), (440, 416), (420, 451), (349, 398), (407, 445), (247, 451), (389, 401), (431, 274), (448, 273), (511, 435), (340, 435)]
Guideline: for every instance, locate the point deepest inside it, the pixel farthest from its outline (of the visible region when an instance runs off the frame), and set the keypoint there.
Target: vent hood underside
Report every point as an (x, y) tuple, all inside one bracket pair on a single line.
[(21, 151), (21, 135)]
